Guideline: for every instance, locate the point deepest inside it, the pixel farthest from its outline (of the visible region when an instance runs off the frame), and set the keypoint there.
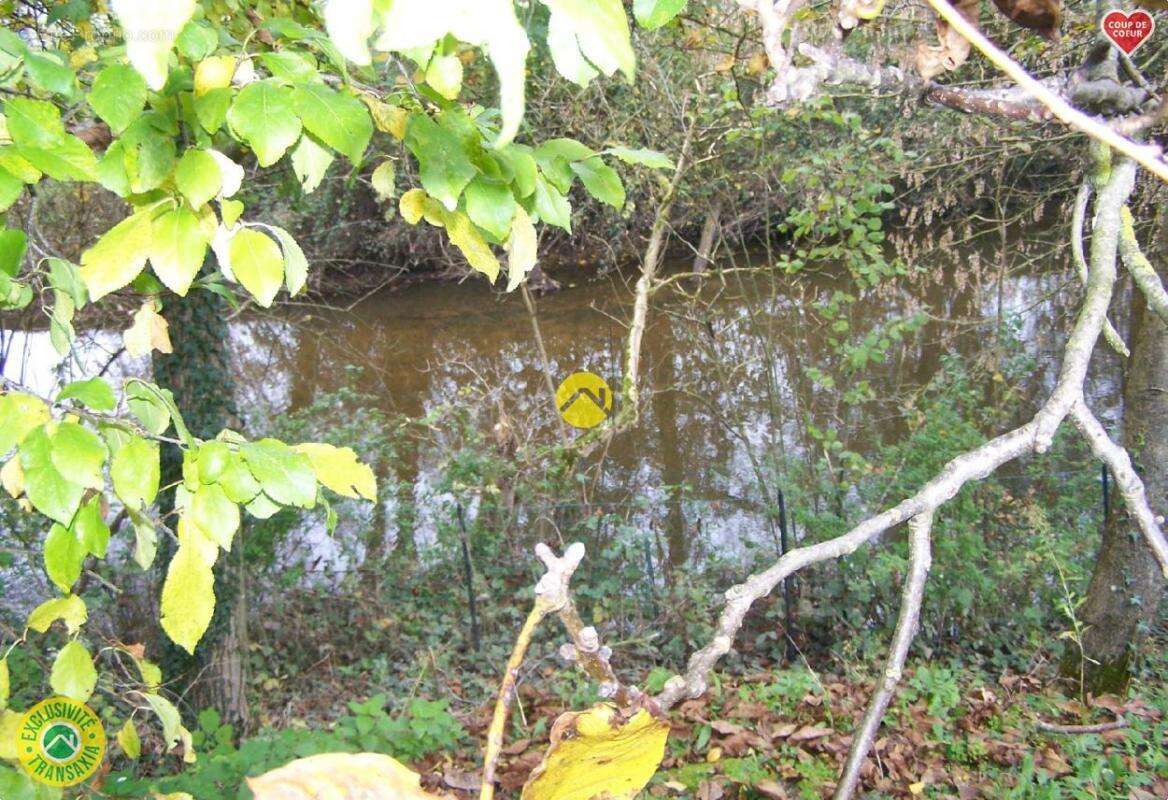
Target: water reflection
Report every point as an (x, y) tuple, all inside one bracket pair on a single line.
[(731, 382)]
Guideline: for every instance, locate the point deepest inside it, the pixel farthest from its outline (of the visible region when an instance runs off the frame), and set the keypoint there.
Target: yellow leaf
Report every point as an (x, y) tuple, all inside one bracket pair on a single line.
[(411, 205), (188, 598), (9, 725), (599, 753), (474, 247), (521, 248), (149, 332), (12, 477), (258, 264), (714, 755), (213, 73), (917, 788), (71, 609), (338, 469), (388, 119), (119, 255), (340, 776), (128, 740)]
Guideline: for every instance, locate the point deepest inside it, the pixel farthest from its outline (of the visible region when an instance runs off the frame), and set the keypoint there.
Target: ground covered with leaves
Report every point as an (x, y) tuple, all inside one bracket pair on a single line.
[(955, 731)]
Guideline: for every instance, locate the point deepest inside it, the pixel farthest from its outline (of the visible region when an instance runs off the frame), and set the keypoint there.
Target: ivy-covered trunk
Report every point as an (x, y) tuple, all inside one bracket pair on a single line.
[(198, 374), (1127, 584)]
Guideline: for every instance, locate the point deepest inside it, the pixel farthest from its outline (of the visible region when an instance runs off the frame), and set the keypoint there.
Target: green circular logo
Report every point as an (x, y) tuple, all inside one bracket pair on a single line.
[(60, 742)]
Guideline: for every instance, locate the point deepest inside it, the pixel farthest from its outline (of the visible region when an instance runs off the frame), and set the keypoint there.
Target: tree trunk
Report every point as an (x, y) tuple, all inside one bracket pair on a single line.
[(1126, 586), (198, 374)]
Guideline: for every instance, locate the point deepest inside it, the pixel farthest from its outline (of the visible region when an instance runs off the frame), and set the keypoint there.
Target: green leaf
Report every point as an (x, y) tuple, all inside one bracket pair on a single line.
[(285, 475), (211, 108), (73, 673), (118, 96), (586, 35), (338, 469), (71, 610), (79, 453), (66, 277), (33, 123), (10, 189), (150, 409), (647, 158), (213, 458), (129, 741), (90, 529), (237, 481), (443, 164), (12, 246), (178, 247), (48, 71), (119, 255), (145, 539), (63, 556), (149, 30), (601, 181), (521, 164), (310, 161), (257, 263), (17, 166), (491, 206), (134, 471), (551, 206), (50, 492), (67, 160), (567, 149), (295, 264), (196, 40), (188, 598), (214, 514), (94, 393), (198, 177), (294, 67), (20, 413), (340, 121), (263, 116), (652, 14), (169, 717)]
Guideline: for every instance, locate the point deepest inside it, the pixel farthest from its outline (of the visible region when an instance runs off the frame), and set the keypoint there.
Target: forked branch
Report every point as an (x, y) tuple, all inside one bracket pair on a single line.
[(1035, 436)]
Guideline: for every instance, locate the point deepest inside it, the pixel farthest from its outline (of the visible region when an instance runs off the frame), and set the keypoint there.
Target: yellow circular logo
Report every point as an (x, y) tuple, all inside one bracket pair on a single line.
[(584, 400), (60, 742)]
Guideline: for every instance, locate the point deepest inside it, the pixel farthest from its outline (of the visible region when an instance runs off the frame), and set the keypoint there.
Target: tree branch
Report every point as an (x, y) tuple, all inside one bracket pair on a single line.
[(1131, 488), (1149, 156), (1142, 271), (975, 464), (906, 629), (1078, 217)]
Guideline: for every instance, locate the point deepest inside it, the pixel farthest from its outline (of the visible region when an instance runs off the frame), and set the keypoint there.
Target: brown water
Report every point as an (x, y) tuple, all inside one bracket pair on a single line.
[(731, 383), (732, 380)]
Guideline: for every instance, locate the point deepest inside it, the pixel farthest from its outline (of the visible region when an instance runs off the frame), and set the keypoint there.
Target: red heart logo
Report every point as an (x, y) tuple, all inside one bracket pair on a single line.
[(1128, 31)]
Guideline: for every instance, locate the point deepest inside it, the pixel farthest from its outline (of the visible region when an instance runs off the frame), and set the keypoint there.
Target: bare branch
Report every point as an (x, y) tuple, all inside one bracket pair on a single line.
[(1078, 217), (1149, 156), (551, 594), (1035, 436), (906, 629), (1131, 488), (1140, 268)]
